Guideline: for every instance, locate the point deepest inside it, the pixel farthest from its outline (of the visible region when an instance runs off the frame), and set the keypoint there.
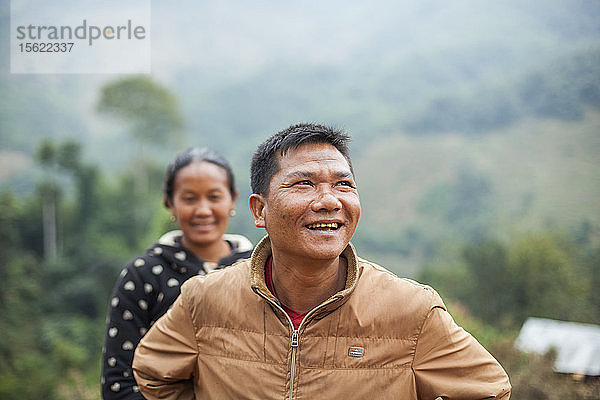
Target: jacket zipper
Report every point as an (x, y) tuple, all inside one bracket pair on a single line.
[(294, 344), (295, 339)]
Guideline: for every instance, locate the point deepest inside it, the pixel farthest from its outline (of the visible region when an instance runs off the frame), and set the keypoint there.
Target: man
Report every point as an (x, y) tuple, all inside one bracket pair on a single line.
[(305, 318)]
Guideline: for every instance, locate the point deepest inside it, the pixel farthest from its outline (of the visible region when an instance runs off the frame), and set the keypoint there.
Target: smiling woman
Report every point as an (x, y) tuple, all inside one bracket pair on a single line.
[(200, 192), (201, 202)]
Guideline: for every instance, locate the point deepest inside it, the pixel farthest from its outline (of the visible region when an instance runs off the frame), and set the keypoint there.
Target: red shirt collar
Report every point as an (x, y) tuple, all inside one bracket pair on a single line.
[(296, 317)]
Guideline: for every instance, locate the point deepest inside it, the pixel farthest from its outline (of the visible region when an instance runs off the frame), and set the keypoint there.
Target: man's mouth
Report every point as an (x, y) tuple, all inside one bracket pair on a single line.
[(329, 226)]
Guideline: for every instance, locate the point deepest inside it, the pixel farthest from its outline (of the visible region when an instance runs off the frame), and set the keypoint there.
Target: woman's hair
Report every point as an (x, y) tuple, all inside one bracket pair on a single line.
[(195, 154)]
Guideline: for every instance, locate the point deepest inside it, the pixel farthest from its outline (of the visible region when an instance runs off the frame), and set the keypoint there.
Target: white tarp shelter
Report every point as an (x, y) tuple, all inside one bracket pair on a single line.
[(577, 345)]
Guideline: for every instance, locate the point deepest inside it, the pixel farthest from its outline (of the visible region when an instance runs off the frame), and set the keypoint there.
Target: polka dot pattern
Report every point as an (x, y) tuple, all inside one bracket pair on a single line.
[(115, 387), (172, 282), (157, 269)]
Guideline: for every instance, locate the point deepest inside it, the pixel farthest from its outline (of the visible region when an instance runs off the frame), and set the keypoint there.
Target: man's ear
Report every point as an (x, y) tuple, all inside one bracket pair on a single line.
[(257, 208)]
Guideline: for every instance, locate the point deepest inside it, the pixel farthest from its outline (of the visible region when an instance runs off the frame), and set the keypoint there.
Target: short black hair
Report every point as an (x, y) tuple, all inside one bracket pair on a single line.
[(265, 164), (198, 154)]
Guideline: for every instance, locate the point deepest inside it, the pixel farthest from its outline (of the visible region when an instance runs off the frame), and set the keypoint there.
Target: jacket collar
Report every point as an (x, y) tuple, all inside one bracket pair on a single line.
[(239, 243), (263, 251), (182, 260)]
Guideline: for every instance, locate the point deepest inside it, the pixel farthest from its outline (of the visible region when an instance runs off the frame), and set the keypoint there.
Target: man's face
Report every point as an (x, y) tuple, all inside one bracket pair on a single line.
[(313, 207)]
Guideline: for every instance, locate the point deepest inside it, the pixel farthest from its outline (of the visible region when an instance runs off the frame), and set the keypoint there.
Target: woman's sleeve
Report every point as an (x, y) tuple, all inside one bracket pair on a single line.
[(165, 360), (128, 320), (449, 363)]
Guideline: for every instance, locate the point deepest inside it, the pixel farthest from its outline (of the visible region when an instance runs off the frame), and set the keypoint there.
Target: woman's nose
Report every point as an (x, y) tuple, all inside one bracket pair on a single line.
[(203, 208)]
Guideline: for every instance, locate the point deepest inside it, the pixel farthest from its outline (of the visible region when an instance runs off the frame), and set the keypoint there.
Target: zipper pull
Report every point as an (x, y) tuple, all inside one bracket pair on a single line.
[(294, 338)]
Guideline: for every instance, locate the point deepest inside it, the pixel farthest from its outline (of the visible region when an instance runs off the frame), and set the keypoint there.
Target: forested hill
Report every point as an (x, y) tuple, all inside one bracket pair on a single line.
[(242, 70)]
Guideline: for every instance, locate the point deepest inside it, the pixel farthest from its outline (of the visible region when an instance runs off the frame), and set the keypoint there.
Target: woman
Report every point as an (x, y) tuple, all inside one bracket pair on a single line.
[(200, 193)]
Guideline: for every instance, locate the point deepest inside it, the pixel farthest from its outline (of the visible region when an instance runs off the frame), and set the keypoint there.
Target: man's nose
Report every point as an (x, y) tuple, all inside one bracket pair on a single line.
[(326, 201)]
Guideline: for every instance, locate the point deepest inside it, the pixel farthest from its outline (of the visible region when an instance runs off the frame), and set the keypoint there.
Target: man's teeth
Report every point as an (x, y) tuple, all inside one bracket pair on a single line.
[(332, 225)]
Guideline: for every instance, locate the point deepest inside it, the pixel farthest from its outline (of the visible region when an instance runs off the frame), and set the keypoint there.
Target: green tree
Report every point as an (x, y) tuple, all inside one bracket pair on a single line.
[(153, 115), (548, 279), (487, 264), (47, 156), (54, 159), (150, 109), (20, 294), (541, 275)]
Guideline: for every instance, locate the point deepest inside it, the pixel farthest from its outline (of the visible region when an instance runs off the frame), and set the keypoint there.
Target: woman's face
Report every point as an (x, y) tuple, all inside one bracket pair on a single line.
[(201, 203)]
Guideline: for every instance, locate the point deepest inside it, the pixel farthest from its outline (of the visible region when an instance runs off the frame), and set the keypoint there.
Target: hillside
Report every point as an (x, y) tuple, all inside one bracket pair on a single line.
[(419, 192), (242, 70)]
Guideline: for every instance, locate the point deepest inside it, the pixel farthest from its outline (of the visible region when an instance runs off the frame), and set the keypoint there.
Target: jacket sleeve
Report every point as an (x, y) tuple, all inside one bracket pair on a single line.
[(449, 363), (165, 360), (125, 325)]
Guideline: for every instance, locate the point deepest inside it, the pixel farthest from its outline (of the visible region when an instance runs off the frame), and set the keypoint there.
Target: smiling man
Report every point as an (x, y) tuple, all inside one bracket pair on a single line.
[(305, 317)]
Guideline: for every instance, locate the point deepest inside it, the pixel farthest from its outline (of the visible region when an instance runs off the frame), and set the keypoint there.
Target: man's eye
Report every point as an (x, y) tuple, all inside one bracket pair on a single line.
[(304, 182), (346, 183)]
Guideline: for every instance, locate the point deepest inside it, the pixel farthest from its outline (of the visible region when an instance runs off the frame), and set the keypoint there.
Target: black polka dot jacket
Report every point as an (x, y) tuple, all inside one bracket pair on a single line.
[(145, 290)]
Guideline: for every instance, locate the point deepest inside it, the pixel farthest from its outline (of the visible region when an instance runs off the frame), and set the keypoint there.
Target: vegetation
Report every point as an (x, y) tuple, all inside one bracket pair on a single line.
[(541, 274), (150, 109), (54, 303)]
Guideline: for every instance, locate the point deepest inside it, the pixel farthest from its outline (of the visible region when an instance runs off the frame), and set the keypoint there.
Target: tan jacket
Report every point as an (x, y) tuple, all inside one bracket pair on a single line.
[(382, 337)]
